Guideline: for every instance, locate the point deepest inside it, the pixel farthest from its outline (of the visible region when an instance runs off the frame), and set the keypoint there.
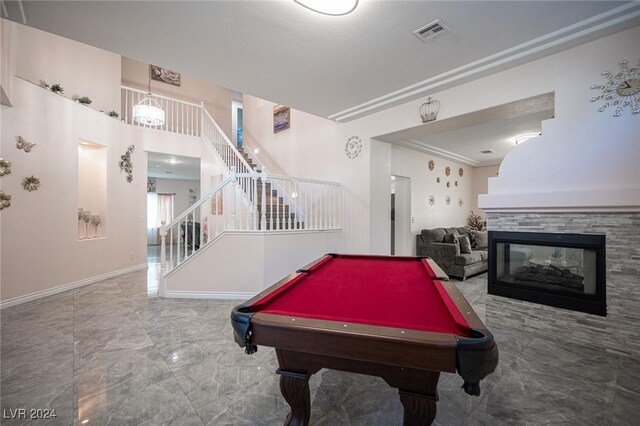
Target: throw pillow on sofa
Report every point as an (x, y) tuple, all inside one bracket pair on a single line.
[(465, 244), (481, 239), (450, 239)]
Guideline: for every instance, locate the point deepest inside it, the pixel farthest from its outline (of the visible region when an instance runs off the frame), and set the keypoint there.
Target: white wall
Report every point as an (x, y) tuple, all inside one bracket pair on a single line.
[(314, 148), (244, 264), (82, 70), (40, 245), (217, 99), (7, 60), (480, 184)]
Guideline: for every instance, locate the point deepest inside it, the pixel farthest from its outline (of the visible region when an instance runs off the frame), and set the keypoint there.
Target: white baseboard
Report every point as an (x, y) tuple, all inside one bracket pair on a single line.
[(70, 286), (220, 295)]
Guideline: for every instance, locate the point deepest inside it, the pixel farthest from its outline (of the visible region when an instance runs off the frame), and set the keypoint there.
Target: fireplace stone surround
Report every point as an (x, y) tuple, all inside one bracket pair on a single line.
[(619, 331)]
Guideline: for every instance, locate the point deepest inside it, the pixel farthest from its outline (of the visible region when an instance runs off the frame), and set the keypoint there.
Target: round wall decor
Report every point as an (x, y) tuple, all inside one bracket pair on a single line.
[(621, 90), (448, 184), (432, 200), (432, 165), (353, 147), (460, 171), (438, 179), (447, 200), (31, 183), (447, 171), (460, 202)]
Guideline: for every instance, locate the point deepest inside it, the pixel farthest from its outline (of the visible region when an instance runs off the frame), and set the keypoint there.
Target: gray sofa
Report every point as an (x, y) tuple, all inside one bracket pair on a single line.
[(429, 242)]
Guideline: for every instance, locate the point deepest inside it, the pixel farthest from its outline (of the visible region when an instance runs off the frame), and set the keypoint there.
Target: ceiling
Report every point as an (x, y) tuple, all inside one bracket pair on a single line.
[(462, 138), (165, 166), (336, 67)]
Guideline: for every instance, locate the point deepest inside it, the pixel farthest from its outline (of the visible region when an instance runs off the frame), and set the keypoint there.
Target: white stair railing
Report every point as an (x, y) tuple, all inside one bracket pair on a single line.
[(180, 116), (221, 210)]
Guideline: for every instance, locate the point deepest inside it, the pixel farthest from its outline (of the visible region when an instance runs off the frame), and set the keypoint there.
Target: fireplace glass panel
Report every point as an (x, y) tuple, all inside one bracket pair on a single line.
[(547, 268)]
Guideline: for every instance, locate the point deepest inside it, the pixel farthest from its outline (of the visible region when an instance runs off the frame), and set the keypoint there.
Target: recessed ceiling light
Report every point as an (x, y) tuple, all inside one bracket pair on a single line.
[(172, 161), (330, 7)]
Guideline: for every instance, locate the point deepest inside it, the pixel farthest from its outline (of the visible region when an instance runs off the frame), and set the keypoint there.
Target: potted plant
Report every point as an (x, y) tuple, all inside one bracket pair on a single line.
[(476, 222), (84, 100), (57, 88)]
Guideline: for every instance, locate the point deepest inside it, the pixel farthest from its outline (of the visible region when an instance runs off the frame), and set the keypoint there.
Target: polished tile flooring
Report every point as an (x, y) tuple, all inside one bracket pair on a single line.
[(113, 353)]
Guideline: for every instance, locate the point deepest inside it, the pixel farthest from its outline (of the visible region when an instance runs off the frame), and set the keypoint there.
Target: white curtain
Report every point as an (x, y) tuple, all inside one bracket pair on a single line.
[(165, 209), (159, 208)]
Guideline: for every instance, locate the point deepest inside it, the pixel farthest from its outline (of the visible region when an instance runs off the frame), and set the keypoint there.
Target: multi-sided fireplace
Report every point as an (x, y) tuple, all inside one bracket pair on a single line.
[(561, 270)]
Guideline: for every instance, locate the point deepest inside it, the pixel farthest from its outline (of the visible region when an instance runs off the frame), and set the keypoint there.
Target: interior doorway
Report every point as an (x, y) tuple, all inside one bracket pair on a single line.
[(401, 238)]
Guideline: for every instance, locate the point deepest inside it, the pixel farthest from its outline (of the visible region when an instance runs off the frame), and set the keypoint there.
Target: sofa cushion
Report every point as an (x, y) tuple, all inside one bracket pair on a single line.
[(433, 235), (464, 230), (465, 244), (453, 231), (450, 239), (468, 258), (484, 255), (480, 239)]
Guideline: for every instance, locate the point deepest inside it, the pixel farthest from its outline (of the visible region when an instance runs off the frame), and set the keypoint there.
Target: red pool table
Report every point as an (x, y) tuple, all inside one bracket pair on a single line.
[(385, 316)]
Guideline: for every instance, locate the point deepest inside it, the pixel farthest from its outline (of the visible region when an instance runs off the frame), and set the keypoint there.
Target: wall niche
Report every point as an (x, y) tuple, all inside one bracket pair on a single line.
[(92, 190)]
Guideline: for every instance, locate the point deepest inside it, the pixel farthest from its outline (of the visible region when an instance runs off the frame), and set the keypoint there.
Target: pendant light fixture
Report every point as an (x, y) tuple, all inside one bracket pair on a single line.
[(148, 111)]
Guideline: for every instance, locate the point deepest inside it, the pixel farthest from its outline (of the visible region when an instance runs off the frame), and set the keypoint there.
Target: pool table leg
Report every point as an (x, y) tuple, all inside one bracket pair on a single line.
[(418, 409), (295, 390)]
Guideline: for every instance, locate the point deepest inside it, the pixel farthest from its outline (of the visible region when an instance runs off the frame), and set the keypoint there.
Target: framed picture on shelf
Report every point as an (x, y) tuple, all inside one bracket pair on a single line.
[(281, 118)]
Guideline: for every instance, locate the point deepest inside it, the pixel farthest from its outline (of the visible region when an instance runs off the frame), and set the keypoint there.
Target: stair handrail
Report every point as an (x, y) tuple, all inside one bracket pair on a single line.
[(226, 139)]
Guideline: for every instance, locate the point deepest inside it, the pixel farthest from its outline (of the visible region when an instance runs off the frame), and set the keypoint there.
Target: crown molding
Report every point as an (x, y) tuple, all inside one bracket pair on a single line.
[(443, 153), (573, 35)]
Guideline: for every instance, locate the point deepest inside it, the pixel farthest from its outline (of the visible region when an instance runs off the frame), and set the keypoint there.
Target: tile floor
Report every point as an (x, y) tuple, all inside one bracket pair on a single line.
[(113, 353)]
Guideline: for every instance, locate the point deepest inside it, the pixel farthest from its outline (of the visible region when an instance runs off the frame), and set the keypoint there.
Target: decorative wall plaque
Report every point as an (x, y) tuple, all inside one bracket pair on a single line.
[(5, 200), (126, 163), (447, 171), (23, 144), (5, 167), (460, 171), (432, 165), (353, 147), (31, 183)]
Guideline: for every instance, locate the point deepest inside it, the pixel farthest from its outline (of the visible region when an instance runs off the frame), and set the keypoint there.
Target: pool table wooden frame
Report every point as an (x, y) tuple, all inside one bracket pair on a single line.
[(409, 360)]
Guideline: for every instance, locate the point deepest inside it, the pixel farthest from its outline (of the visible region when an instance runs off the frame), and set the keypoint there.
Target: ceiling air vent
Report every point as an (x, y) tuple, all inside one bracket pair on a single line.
[(487, 151), (431, 31)]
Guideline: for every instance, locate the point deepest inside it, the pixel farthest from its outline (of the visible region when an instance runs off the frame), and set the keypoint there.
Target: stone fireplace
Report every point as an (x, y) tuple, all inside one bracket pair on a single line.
[(555, 269), (618, 330)]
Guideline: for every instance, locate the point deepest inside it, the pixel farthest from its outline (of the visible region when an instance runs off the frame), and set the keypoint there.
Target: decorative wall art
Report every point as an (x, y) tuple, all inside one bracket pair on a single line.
[(5, 167), (447, 200), (432, 200), (429, 110), (193, 196), (164, 75), (281, 118), (21, 143), (621, 90), (448, 184), (126, 163), (151, 184), (31, 183), (438, 179), (432, 165), (353, 147), (460, 171), (460, 202), (456, 183), (447, 171), (5, 200)]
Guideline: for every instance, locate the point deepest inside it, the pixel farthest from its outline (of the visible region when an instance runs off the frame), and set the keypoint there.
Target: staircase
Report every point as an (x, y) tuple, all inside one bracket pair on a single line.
[(248, 200)]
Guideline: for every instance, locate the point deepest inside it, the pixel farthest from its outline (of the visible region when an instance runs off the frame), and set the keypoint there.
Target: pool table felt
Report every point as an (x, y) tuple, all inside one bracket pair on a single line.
[(393, 292)]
